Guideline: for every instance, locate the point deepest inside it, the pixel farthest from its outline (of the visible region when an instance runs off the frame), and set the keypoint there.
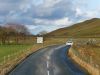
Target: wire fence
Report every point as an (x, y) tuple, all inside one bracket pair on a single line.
[(87, 59), (93, 70), (10, 61)]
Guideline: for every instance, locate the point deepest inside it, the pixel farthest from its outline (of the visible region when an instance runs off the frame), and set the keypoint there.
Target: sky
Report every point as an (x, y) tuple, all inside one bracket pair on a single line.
[(47, 15)]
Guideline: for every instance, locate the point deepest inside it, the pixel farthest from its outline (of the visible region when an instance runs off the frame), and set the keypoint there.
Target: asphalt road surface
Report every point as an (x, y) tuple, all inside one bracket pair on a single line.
[(51, 60)]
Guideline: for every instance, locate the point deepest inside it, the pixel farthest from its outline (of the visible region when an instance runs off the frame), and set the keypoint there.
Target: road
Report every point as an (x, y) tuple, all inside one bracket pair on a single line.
[(52, 60)]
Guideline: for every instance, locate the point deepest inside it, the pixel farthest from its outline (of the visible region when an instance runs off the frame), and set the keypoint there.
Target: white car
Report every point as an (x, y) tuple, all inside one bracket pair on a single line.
[(69, 43)]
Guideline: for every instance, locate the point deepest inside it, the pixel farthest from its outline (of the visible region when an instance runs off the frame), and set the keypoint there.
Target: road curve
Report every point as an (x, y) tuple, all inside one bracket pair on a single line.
[(51, 60)]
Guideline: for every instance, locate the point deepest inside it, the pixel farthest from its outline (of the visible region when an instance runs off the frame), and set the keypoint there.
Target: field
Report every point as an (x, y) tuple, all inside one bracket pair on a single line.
[(88, 49), (11, 49), (6, 50)]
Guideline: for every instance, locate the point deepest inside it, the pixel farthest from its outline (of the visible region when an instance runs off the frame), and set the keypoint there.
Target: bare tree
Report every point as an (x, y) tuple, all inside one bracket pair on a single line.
[(18, 28), (12, 32)]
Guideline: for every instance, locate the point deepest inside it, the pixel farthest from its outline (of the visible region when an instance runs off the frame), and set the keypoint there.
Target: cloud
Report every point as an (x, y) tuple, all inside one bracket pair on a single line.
[(78, 12), (63, 21), (59, 22), (91, 14), (84, 14), (49, 25), (48, 13), (45, 9), (55, 9)]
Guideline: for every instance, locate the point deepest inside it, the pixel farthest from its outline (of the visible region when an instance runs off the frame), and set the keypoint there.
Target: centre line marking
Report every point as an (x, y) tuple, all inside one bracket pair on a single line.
[(48, 72), (47, 64)]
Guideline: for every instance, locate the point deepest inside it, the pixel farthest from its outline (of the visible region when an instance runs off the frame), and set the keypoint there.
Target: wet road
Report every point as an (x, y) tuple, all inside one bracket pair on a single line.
[(51, 60)]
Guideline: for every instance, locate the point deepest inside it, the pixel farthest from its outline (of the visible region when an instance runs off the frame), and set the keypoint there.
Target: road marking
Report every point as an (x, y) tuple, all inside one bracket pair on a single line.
[(48, 58), (48, 72), (47, 64)]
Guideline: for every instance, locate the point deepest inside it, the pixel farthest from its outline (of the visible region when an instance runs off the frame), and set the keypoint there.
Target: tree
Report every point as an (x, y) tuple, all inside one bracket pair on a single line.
[(12, 32), (3, 35), (18, 28), (18, 31)]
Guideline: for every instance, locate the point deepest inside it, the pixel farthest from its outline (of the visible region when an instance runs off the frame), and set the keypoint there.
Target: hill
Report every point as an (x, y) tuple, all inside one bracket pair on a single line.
[(88, 28)]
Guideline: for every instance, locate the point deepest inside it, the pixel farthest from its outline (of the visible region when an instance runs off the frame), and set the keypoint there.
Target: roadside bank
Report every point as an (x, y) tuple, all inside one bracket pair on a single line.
[(92, 70)]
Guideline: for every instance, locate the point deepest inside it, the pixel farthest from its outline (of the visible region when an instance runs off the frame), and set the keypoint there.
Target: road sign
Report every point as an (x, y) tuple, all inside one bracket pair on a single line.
[(40, 40)]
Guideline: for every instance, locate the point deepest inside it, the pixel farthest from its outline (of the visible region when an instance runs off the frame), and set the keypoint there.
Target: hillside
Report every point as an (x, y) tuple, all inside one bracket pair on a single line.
[(89, 28)]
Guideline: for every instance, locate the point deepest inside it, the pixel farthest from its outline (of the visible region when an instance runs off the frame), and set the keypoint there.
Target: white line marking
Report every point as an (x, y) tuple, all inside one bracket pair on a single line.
[(47, 64), (48, 72)]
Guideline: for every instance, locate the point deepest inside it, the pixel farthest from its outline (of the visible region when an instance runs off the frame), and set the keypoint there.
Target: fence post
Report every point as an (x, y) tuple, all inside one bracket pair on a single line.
[(4, 60), (8, 57)]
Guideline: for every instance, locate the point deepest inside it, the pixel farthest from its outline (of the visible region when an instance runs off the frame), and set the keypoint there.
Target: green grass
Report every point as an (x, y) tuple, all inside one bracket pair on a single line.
[(6, 50), (10, 49)]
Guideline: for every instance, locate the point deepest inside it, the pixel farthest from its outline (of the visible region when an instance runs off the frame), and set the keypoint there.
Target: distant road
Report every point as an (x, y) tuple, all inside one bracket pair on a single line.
[(51, 60)]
